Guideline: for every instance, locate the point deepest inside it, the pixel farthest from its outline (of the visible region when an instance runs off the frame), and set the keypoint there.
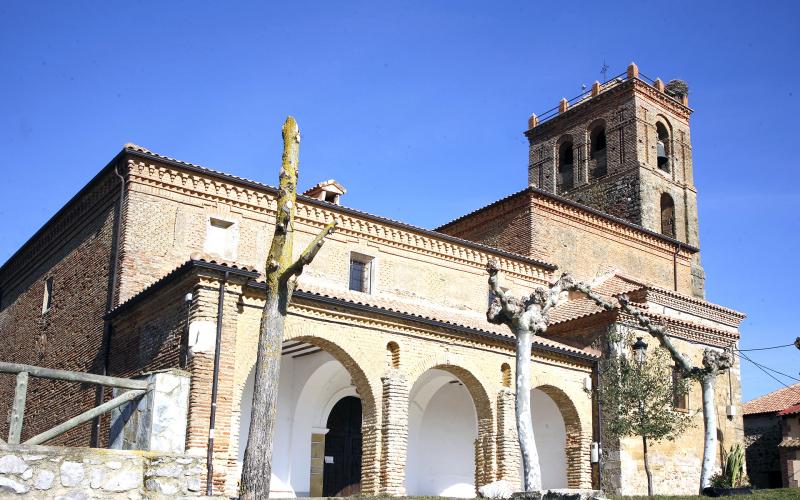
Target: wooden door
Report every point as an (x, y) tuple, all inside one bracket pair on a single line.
[(341, 473)]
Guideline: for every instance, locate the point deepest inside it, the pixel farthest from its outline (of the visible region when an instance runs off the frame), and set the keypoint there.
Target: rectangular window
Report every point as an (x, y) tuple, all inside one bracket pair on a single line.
[(47, 300), (360, 273), (679, 400), (221, 238)]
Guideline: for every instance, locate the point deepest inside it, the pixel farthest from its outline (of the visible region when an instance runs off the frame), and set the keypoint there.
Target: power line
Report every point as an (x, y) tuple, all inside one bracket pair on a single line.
[(771, 369), (766, 348), (771, 375)]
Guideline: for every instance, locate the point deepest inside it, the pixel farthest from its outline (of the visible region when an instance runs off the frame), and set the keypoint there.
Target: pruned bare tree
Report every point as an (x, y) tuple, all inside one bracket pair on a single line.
[(281, 277), (714, 363), (525, 317)]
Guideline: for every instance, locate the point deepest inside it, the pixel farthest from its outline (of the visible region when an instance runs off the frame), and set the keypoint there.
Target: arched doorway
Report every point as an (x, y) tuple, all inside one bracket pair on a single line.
[(442, 429), (559, 438), (342, 461), (313, 383), (550, 434)]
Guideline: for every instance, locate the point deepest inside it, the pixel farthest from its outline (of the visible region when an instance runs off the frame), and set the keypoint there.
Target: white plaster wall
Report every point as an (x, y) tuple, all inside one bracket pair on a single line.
[(309, 387), (441, 439), (550, 435)]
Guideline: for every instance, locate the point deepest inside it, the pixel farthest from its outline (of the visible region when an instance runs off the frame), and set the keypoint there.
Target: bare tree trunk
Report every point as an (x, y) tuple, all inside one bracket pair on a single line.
[(532, 479), (525, 317), (708, 384), (647, 468), (281, 276)]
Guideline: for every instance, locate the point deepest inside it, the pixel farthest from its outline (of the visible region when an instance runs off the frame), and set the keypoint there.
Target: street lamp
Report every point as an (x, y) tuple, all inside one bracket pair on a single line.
[(639, 348)]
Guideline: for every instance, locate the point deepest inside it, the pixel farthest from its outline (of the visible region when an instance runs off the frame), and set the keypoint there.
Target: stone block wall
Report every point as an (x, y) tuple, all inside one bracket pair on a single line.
[(762, 434), (44, 472), (74, 250), (675, 464)]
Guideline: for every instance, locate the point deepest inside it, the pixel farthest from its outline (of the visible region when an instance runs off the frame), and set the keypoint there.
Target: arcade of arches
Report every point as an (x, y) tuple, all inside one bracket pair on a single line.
[(446, 420)]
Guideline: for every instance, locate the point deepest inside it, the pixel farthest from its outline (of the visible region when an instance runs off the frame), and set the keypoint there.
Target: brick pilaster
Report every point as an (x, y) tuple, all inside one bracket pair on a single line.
[(370, 456), (394, 433), (201, 367), (508, 456)]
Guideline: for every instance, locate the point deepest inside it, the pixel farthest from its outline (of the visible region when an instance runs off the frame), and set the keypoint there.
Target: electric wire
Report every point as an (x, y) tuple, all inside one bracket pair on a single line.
[(765, 348), (770, 369), (760, 367)]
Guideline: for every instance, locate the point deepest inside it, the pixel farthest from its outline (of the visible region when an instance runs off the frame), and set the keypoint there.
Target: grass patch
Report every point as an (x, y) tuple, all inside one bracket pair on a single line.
[(777, 494)]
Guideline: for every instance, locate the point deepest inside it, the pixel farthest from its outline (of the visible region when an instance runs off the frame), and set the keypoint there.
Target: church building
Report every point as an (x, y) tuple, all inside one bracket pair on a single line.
[(392, 380)]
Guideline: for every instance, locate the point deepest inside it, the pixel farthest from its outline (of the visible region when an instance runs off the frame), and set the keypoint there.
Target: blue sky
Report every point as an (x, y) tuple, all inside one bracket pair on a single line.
[(417, 108)]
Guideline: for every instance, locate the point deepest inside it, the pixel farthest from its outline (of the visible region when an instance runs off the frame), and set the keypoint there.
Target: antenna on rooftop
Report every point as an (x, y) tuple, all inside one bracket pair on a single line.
[(604, 71)]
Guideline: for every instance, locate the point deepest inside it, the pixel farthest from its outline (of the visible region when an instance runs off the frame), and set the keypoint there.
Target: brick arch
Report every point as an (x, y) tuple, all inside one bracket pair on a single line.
[(574, 431), (360, 379), (485, 446), (370, 432), (450, 364)]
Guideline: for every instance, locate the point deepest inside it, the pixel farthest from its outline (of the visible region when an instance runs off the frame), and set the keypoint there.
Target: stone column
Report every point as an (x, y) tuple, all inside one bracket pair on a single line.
[(394, 433), (317, 461), (508, 454), (157, 421)]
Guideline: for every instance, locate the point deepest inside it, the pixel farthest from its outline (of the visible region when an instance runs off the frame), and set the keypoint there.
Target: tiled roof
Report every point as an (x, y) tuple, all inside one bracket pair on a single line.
[(196, 259), (790, 410), (423, 310), (463, 318), (378, 218), (775, 401), (579, 306), (789, 443)]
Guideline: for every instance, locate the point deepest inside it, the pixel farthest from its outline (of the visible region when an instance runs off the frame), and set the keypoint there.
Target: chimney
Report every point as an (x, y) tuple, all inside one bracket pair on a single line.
[(329, 191)]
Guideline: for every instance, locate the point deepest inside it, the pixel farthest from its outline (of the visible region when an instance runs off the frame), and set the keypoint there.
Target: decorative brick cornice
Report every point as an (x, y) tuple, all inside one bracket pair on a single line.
[(677, 109), (692, 305), (164, 179), (689, 331)]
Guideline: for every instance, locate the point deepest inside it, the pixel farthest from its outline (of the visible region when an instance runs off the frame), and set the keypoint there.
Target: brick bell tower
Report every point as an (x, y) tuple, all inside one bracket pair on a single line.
[(623, 148)]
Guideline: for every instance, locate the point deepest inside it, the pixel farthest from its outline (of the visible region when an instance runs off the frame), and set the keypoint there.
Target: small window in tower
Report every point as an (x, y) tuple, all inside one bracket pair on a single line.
[(47, 300), (662, 147), (565, 180), (667, 215), (597, 151), (221, 238), (361, 273)]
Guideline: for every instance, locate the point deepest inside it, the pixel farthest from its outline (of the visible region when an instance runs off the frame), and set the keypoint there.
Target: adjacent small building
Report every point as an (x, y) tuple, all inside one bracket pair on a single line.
[(772, 438)]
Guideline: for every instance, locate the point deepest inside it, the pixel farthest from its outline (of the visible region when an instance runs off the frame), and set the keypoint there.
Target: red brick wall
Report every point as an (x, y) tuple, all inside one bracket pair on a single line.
[(506, 226), (74, 249)]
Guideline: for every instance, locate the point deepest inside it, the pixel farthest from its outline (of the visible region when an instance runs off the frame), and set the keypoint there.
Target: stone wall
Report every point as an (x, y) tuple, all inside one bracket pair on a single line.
[(44, 472), (762, 434), (790, 450), (676, 464)]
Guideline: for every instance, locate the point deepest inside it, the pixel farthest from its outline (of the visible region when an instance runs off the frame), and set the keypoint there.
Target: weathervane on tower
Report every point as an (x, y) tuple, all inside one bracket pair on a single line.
[(604, 71)]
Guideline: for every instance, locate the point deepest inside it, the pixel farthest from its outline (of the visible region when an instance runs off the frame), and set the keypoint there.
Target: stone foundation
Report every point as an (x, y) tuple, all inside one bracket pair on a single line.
[(41, 472)]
